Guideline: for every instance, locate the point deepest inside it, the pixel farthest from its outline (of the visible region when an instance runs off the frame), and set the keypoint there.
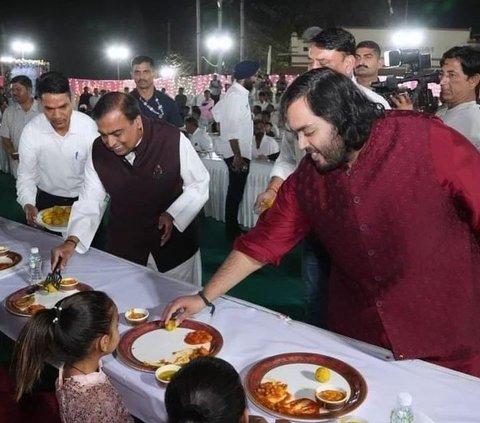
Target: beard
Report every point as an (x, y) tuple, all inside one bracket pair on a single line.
[(248, 84), (331, 156)]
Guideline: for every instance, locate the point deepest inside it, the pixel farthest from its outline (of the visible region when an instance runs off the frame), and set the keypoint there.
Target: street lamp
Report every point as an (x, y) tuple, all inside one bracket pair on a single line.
[(221, 43), (22, 47), (118, 53)]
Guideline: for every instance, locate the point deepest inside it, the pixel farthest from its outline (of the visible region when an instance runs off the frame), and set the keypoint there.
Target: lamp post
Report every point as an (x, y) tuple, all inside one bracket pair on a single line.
[(118, 53), (22, 47), (221, 43)]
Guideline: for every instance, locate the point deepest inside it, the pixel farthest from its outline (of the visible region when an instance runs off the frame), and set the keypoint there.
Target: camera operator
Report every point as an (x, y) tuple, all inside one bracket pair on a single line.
[(368, 62), (460, 84)]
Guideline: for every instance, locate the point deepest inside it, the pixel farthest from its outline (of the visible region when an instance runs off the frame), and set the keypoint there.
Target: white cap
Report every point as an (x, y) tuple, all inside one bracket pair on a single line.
[(404, 399), (34, 250)]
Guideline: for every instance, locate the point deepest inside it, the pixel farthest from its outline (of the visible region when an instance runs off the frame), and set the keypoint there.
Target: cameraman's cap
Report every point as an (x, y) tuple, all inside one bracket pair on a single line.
[(245, 69)]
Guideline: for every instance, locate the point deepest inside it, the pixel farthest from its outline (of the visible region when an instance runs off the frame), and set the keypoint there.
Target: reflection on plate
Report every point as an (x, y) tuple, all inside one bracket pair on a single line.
[(148, 346), (297, 370), (42, 299), (9, 260), (59, 216)]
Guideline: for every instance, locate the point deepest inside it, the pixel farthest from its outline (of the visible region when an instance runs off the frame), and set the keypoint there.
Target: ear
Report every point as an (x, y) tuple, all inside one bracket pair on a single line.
[(380, 63), (103, 343), (350, 62), (138, 122), (474, 80)]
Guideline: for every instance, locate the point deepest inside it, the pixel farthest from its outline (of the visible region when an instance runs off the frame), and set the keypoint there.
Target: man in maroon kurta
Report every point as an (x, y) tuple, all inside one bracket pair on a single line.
[(395, 199)]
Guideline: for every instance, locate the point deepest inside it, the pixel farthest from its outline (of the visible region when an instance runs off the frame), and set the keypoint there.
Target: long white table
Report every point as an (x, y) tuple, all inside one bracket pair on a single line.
[(257, 182), (250, 333)]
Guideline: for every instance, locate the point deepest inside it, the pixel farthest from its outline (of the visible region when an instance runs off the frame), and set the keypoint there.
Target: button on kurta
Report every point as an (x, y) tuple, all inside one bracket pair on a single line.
[(371, 252), (363, 227), (356, 199)]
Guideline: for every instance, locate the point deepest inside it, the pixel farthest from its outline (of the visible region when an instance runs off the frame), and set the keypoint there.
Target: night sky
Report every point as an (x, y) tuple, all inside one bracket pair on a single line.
[(73, 35)]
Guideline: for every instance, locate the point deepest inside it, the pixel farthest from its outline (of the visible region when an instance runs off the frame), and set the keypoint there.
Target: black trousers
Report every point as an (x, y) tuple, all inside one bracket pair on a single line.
[(236, 187), (45, 200)]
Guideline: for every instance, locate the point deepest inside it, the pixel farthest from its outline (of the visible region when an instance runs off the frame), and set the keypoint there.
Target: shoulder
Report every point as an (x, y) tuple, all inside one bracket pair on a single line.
[(155, 127), (83, 120), (163, 98)]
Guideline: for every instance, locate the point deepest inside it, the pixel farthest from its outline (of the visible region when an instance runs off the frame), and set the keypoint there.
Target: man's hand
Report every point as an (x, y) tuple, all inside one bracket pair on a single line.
[(264, 201), (30, 214), (238, 163), (165, 224), (64, 252), (402, 101), (184, 306)]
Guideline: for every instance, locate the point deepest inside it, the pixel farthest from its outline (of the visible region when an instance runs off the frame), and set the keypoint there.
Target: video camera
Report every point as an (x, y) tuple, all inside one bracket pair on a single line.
[(417, 68)]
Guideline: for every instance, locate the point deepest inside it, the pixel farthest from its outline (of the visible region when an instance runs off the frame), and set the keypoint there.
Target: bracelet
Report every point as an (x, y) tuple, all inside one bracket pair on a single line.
[(207, 303), (72, 241)]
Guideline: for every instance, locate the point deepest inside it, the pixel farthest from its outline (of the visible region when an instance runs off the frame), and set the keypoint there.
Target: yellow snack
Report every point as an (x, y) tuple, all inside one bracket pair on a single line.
[(170, 325), (51, 288), (322, 374)]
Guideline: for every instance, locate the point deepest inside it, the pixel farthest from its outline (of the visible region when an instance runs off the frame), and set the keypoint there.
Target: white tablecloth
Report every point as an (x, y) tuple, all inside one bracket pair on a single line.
[(250, 333), (256, 183)]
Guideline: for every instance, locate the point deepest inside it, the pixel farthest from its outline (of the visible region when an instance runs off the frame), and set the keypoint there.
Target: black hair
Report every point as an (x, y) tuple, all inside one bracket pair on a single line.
[(142, 59), (52, 83), (335, 98), (371, 45), (206, 390), (64, 333), (468, 56), (335, 39), (192, 120), (22, 80), (115, 100)]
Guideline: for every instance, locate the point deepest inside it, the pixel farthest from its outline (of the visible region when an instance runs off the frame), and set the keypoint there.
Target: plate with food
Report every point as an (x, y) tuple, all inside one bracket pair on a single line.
[(54, 218), (305, 387), (22, 303), (8, 259), (153, 344)]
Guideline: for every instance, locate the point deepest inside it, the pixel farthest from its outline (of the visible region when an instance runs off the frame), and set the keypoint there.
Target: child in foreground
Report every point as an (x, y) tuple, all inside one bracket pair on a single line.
[(207, 390), (77, 332)]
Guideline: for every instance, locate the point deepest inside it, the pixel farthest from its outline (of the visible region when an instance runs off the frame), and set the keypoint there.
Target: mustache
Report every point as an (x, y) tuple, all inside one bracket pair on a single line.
[(361, 66)]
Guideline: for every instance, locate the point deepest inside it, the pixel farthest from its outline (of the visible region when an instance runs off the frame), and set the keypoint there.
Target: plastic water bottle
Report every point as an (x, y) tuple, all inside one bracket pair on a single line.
[(35, 266), (403, 412)]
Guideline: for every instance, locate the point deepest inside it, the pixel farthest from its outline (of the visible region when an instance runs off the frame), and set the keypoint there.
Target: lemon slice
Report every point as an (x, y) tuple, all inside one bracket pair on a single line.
[(322, 374)]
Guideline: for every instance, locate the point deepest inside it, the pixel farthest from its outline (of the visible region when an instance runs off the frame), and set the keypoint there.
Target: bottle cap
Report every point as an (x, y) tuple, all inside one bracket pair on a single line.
[(34, 250), (405, 399)]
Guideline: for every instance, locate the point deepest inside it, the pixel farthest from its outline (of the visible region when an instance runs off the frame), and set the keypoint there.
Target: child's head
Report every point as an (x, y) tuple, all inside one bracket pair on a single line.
[(207, 390), (79, 325)]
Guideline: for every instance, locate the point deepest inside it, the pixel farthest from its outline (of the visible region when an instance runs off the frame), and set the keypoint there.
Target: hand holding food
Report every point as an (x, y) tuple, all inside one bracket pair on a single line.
[(30, 214), (264, 201), (63, 252), (191, 304)]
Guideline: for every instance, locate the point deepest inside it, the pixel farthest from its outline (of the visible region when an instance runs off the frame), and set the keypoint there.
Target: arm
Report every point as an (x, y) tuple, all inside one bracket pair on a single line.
[(195, 186), (234, 269), (85, 217), (457, 165), (28, 174), (9, 147)]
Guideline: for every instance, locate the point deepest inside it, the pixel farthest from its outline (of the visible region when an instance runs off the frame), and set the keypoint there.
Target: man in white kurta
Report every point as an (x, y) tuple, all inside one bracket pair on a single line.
[(460, 83), (53, 149), (156, 185)]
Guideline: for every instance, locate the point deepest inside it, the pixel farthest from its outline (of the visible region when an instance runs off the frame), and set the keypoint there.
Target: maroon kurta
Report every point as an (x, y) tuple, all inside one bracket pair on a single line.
[(400, 227)]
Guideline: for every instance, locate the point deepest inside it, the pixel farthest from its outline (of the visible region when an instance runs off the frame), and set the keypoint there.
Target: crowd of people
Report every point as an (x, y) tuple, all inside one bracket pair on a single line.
[(385, 202)]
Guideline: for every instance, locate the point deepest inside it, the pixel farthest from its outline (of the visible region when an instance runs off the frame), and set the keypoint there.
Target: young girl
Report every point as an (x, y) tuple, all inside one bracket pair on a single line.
[(207, 390), (77, 332)]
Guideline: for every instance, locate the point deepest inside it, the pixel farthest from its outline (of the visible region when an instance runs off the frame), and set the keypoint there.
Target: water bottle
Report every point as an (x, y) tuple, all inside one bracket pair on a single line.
[(35, 266), (403, 412)]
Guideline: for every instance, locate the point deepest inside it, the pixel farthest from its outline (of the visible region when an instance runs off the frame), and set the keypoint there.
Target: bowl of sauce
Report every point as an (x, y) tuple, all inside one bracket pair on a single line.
[(136, 316), (331, 397), (165, 373)]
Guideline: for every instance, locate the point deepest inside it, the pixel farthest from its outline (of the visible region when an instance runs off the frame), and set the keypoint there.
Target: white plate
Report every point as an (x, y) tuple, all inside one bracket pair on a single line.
[(54, 228)]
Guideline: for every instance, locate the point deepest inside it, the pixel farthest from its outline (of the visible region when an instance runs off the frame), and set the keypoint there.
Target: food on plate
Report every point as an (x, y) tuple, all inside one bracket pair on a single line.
[(3, 250), (275, 396), (332, 395), (49, 287), (57, 215), (181, 357), (34, 308), (6, 263), (24, 302), (322, 374), (198, 337), (332, 398), (170, 325)]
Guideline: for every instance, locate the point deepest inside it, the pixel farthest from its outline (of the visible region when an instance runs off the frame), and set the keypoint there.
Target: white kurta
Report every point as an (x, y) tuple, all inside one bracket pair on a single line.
[(465, 118), (52, 162), (235, 117), (201, 141), (267, 146), (87, 212)]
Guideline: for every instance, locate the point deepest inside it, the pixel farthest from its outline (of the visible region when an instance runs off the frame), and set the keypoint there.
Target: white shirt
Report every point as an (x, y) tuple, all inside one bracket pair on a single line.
[(201, 141), (53, 162), (267, 146), (235, 117), (14, 120), (88, 210), (465, 118), (372, 95)]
